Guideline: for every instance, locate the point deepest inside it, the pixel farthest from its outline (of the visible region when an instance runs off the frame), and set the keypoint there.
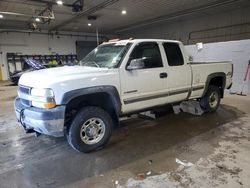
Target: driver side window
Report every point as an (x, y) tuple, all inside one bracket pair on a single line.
[(149, 52)]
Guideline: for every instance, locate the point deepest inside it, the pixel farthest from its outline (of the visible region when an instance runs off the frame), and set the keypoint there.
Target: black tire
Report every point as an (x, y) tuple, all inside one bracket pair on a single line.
[(74, 135), (211, 101)]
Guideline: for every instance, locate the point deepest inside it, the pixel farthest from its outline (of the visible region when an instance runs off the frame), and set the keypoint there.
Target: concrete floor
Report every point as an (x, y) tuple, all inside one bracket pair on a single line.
[(217, 144)]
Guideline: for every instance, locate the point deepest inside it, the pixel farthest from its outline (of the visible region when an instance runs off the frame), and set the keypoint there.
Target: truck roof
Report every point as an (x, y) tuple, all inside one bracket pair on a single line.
[(140, 40)]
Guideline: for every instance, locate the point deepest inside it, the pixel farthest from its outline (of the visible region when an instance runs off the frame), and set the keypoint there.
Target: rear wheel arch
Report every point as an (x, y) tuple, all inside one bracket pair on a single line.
[(218, 80)]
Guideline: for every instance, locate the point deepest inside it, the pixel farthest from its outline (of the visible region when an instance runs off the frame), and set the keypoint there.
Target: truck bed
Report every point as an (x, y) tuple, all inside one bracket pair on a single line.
[(202, 70)]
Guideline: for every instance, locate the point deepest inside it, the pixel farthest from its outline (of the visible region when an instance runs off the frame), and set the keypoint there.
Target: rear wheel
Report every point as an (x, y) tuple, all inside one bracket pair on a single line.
[(211, 101), (90, 129)]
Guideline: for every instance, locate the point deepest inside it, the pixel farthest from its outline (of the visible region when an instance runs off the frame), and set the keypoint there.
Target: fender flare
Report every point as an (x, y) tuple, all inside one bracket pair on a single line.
[(213, 75), (110, 90)]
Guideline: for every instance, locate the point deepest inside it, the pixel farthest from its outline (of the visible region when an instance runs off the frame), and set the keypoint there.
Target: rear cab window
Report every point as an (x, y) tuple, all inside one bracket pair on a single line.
[(173, 53)]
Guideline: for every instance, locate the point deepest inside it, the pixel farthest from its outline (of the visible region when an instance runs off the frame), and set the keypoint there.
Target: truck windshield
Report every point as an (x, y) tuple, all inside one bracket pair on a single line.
[(105, 56)]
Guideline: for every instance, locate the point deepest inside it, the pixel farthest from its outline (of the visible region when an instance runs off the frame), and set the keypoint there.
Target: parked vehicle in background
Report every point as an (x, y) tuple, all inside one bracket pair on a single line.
[(116, 79), (31, 65)]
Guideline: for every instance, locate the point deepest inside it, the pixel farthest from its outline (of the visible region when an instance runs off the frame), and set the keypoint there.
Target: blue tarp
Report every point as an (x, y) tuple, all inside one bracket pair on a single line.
[(34, 63)]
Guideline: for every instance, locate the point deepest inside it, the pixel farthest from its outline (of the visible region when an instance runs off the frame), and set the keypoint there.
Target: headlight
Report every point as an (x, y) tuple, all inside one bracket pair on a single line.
[(42, 92), (42, 98)]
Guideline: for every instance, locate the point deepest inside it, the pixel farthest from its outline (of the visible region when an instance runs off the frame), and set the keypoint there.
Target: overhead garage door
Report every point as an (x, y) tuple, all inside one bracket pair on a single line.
[(84, 47)]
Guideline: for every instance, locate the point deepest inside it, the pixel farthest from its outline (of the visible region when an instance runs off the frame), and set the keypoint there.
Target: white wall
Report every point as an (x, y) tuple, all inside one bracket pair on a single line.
[(236, 51), (35, 44)]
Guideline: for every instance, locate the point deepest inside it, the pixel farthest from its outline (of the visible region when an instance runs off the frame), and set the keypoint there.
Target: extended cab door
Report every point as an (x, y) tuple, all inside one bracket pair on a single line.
[(178, 82), (144, 86)]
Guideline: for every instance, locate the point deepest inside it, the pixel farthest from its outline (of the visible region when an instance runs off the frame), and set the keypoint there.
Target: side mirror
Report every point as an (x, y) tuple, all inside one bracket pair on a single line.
[(136, 64)]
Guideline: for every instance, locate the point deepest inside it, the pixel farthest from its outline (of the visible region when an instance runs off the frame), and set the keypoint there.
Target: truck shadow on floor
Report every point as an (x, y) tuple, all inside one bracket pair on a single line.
[(47, 159), (169, 129)]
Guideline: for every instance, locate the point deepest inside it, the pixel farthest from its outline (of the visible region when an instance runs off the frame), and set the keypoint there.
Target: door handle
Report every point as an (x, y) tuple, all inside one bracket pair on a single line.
[(163, 75)]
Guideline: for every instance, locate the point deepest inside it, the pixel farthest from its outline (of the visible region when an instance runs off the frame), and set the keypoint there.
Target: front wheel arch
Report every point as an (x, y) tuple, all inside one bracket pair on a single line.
[(108, 101)]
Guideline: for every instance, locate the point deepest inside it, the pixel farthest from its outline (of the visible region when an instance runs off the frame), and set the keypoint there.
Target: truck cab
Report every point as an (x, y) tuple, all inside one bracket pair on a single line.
[(163, 69)]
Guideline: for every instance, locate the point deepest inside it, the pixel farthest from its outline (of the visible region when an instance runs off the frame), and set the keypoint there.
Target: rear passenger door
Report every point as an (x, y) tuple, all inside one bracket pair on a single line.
[(178, 81)]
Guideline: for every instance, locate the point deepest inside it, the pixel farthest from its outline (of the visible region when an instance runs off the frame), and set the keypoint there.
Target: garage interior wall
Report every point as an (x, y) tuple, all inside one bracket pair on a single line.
[(236, 51), (223, 35), (30, 44), (213, 26)]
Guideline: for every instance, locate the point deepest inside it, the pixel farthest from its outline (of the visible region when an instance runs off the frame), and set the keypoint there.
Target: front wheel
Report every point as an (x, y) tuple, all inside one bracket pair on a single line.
[(90, 129), (211, 101)]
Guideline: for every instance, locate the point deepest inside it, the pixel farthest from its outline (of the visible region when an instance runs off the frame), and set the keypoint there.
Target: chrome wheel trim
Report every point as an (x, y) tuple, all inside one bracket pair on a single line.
[(213, 99), (92, 131)]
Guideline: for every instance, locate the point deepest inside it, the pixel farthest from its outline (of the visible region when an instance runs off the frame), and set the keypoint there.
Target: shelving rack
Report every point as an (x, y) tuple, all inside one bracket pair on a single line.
[(13, 59)]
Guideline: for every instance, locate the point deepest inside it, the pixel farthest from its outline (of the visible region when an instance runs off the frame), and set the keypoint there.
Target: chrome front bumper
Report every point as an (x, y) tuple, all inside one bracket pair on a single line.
[(44, 121)]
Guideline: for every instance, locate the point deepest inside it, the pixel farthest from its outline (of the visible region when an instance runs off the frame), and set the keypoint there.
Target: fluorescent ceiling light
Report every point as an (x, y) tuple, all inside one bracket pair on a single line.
[(89, 24), (37, 19), (124, 12), (1, 16), (59, 2)]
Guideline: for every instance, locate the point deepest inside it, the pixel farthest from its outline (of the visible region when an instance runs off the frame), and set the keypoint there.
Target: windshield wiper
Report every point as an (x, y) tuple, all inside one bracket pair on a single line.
[(96, 64)]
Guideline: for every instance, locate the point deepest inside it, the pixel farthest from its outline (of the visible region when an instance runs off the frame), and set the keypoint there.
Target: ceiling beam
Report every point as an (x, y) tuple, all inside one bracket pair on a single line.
[(49, 2), (86, 35), (86, 12), (41, 2), (28, 15)]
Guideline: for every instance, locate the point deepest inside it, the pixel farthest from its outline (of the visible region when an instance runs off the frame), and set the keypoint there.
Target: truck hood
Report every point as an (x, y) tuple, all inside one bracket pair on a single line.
[(47, 77)]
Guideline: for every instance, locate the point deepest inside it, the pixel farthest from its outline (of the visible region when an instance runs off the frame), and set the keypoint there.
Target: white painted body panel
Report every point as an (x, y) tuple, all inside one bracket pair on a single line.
[(179, 77), (68, 78), (201, 71), (145, 82)]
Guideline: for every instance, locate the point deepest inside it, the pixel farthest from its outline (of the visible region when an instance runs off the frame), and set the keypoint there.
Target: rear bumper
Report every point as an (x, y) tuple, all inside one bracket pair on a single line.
[(44, 121)]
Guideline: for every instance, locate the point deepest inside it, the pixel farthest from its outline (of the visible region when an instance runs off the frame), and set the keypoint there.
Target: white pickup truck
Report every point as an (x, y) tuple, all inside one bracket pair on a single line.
[(116, 79)]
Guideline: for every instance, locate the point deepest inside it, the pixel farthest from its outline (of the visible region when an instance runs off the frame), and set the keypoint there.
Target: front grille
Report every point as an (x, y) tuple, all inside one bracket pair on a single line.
[(25, 102), (24, 90)]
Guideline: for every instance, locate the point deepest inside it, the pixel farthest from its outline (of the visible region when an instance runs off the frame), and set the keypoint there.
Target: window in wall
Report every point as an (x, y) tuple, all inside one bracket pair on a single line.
[(174, 54), (150, 53)]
